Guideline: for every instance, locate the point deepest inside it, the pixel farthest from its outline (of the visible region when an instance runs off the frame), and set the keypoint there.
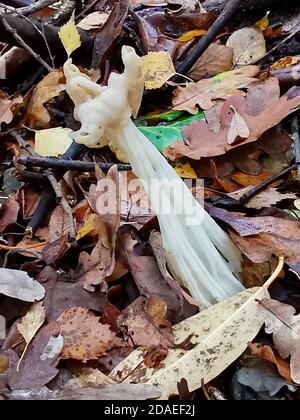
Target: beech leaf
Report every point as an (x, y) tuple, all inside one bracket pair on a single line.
[(248, 46), (17, 284), (158, 68)]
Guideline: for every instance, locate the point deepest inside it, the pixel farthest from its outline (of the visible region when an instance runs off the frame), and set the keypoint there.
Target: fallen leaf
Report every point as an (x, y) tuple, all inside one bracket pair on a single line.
[(190, 35), (200, 141), (9, 211), (31, 323), (36, 116), (87, 228), (264, 22), (38, 365), (188, 6), (216, 59), (52, 141), (85, 338), (59, 224), (248, 46), (267, 353), (119, 392), (69, 36), (18, 285), (158, 69), (238, 128), (261, 237), (7, 106), (205, 92), (185, 171), (93, 21), (281, 321), (220, 335), (251, 180), (264, 199)]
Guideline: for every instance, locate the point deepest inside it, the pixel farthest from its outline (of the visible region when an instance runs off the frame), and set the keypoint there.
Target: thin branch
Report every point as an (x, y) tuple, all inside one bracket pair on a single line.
[(88, 8), (39, 31), (68, 165), (261, 187), (201, 46), (66, 206), (20, 41), (35, 7), (296, 139)]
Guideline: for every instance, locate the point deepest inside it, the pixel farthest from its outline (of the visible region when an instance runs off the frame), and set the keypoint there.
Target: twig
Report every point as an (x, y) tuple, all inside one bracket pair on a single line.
[(284, 41), (17, 37), (35, 7), (296, 139), (35, 254), (68, 165), (66, 206), (88, 8), (48, 195), (29, 176), (261, 187), (230, 8), (41, 32), (64, 12)]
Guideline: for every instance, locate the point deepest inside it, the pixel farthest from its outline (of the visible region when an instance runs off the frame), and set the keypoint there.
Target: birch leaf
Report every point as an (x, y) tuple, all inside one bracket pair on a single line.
[(32, 322), (69, 36), (220, 335), (158, 68), (52, 141)]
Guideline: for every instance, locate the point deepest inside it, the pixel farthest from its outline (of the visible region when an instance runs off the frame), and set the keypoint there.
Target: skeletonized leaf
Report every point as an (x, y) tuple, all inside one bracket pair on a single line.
[(18, 285), (220, 335), (158, 68), (69, 36)]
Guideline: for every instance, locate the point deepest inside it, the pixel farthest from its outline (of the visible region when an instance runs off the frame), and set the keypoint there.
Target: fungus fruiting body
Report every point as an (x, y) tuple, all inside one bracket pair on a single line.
[(200, 254)]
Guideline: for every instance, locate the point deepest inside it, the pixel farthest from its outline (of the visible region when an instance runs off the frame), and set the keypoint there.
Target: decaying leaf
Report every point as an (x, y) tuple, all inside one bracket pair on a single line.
[(248, 45), (205, 92), (36, 115), (261, 237), (7, 107), (69, 36), (281, 321), (85, 338), (52, 141), (216, 59), (220, 335), (158, 68), (266, 198), (18, 285), (254, 109), (31, 323), (93, 21)]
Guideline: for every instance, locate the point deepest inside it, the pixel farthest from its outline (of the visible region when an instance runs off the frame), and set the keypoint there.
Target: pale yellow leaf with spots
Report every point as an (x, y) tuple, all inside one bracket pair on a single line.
[(52, 141), (158, 69), (69, 36)]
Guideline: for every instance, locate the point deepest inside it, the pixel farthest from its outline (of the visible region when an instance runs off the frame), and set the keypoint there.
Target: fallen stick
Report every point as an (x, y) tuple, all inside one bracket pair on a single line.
[(68, 165)]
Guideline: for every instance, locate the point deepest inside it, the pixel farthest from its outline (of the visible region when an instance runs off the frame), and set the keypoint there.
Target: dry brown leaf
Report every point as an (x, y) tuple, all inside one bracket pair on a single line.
[(238, 128), (248, 46), (85, 338), (7, 106), (264, 199), (216, 59), (92, 21), (255, 108), (281, 321), (267, 353), (261, 237), (36, 115), (205, 92)]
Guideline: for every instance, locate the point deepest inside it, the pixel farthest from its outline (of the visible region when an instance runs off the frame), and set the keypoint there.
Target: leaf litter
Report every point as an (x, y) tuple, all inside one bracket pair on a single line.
[(90, 293)]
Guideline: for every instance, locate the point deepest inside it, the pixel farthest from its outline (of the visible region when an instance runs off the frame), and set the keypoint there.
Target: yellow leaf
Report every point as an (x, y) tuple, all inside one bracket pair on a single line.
[(52, 141), (31, 323), (190, 35), (219, 334), (87, 228), (263, 23), (69, 36), (158, 68), (185, 171)]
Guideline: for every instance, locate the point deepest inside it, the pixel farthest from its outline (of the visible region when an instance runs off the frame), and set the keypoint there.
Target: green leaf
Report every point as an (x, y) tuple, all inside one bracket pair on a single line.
[(164, 134)]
